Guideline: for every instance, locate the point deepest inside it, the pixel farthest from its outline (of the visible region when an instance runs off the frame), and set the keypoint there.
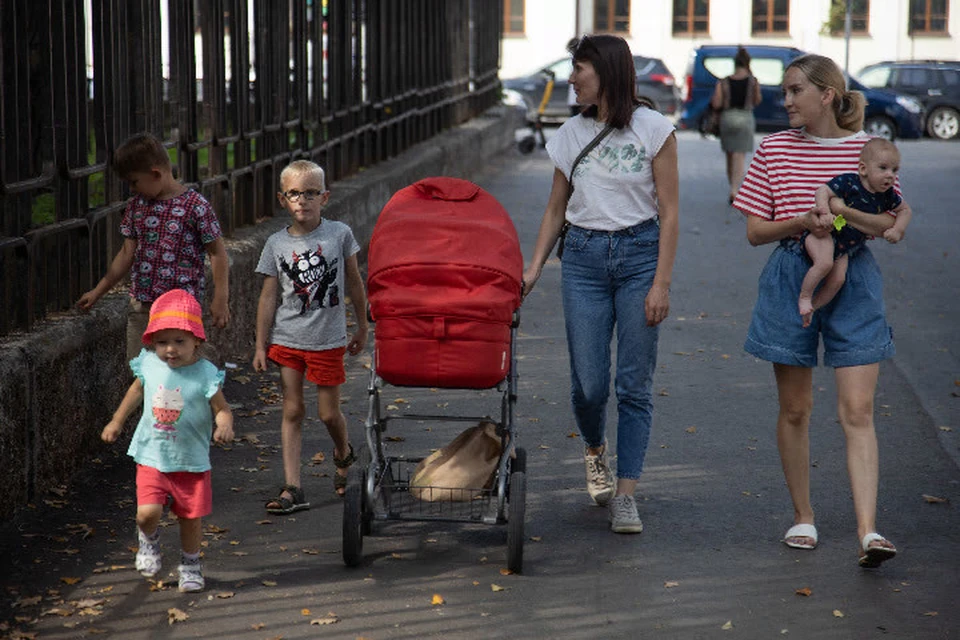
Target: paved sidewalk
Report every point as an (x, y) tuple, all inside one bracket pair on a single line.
[(709, 563)]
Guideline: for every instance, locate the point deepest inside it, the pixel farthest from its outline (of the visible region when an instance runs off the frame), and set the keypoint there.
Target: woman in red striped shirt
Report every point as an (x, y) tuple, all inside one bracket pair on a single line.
[(777, 197)]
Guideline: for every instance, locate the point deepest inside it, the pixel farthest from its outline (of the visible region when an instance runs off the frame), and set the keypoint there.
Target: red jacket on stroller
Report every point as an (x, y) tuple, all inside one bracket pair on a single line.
[(444, 281)]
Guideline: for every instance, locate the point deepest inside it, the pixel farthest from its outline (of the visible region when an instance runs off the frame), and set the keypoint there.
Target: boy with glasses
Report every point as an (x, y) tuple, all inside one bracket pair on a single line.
[(302, 324)]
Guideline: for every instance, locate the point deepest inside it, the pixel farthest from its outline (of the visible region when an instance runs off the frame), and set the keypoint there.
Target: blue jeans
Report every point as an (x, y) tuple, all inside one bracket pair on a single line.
[(605, 280)]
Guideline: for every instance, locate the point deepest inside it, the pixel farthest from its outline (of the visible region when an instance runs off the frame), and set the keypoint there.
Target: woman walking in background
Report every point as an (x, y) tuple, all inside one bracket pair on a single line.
[(737, 95)]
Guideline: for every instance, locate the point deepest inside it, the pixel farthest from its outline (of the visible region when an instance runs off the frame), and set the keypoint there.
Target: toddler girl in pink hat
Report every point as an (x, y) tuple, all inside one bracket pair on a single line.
[(182, 398)]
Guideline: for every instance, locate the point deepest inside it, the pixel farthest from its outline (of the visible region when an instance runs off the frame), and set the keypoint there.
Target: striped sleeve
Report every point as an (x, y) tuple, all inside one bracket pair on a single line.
[(754, 196)]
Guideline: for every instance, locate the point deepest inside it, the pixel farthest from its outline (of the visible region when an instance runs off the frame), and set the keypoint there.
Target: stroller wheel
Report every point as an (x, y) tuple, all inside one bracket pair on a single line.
[(519, 462), (353, 519), (518, 506), (527, 144)]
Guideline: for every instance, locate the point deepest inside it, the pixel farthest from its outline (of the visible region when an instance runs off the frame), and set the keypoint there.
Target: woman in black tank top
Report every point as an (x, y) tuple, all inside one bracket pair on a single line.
[(737, 95)]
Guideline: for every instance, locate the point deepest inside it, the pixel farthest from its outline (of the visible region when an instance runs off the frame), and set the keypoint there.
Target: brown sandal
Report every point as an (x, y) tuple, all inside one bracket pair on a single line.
[(340, 481), (281, 505)]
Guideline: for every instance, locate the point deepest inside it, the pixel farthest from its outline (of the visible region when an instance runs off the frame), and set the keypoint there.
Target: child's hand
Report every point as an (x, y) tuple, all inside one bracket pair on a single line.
[(893, 235), (224, 433), (358, 342), (111, 431), (220, 312), (87, 300), (260, 360)]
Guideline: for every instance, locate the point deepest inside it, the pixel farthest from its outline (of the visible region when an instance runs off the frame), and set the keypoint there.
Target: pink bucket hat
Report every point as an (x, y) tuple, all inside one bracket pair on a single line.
[(176, 309)]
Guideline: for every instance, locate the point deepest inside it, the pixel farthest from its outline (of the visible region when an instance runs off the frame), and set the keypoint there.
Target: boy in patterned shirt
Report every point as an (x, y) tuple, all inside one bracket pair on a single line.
[(870, 190), (166, 229)]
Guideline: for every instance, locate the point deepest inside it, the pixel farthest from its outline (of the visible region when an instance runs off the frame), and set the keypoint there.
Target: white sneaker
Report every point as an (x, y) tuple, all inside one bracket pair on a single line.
[(191, 576), (599, 477), (148, 556), (623, 515)]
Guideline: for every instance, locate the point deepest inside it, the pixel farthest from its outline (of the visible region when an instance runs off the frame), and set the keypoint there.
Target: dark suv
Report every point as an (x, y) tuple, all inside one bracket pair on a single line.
[(888, 114), (654, 82), (935, 83)]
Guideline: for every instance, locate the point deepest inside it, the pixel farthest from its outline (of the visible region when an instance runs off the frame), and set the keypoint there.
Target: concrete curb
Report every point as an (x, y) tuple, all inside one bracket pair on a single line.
[(61, 382)]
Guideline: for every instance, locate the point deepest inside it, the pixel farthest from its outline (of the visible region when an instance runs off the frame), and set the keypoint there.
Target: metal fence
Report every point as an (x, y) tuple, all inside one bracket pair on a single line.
[(235, 88)]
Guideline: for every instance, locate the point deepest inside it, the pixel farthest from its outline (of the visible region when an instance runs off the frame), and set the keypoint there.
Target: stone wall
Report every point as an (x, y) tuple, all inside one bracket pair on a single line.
[(61, 383)]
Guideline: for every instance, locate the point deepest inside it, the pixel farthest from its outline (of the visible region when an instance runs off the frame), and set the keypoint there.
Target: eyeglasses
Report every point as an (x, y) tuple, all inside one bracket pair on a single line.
[(293, 195)]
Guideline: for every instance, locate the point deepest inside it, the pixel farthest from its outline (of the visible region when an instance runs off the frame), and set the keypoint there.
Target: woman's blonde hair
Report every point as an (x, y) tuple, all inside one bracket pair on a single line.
[(823, 72)]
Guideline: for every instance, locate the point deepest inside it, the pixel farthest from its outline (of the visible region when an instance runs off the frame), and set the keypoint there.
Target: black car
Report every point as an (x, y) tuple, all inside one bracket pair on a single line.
[(936, 83), (654, 82)]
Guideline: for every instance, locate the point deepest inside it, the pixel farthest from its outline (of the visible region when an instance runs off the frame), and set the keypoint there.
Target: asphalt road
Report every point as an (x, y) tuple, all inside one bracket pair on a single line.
[(709, 563)]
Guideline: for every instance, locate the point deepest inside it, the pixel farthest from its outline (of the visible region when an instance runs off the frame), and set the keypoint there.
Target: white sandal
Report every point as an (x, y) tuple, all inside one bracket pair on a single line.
[(872, 557), (801, 531)]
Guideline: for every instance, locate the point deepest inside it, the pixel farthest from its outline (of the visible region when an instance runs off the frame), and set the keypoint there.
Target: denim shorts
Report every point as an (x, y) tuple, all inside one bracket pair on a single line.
[(853, 325)]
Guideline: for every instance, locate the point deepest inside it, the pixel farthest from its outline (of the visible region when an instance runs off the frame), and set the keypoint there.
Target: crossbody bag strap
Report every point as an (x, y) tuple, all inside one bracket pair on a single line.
[(583, 154)]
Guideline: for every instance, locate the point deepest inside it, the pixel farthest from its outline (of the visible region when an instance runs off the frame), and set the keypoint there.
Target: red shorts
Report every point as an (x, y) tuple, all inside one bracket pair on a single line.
[(324, 368), (192, 492)]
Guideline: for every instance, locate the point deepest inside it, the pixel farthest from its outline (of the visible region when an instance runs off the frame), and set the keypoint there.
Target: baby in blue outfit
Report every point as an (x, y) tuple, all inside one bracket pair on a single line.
[(870, 190)]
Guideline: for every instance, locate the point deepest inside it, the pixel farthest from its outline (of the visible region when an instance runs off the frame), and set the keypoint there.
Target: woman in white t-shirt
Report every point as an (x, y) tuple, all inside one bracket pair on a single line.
[(618, 254), (777, 197)]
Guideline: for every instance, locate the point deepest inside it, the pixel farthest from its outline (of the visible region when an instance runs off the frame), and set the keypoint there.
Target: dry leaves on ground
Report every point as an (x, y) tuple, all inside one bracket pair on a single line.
[(176, 615)]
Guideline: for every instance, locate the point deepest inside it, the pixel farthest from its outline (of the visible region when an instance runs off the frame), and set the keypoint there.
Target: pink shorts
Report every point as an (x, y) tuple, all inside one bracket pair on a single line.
[(192, 492), (324, 368)]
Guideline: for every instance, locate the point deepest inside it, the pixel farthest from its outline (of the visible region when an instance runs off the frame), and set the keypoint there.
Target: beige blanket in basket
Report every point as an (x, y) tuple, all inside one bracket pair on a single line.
[(459, 471)]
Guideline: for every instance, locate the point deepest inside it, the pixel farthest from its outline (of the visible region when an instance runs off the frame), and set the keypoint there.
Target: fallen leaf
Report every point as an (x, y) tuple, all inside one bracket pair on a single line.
[(264, 521), (304, 612), (437, 599), (544, 446), (930, 614), (176, 615), (70, 580), (506, 572), (946, 428), (670, 585), (392, 407), (57, 611), (223, 595), (934, 499), (573, 434), (256, 626), (691, 429), (28, 602), (536, 538), (88, 602), (837, 613), (496, 587), (806, 591), (663, 392), (331, 618), (727, 625), (318, 457), (395, 439), (269, 583)]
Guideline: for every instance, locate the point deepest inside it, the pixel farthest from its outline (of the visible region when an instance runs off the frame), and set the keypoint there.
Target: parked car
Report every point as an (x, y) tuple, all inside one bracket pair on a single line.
[(936, 83), (654, 82), (888, 114)]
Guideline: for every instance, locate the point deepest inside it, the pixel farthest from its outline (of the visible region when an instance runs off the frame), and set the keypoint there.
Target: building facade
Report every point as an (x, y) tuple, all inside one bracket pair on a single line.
[(536, 31)]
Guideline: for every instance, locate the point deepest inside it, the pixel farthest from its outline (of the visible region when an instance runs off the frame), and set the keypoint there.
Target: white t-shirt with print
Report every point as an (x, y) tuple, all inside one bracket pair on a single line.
[(613, 185)]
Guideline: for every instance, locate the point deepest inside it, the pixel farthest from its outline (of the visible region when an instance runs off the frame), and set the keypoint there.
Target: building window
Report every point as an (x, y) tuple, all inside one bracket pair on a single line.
[(691, 17), (513, 17), (928, 17), (771, 17), (611, 16), (859, 17)]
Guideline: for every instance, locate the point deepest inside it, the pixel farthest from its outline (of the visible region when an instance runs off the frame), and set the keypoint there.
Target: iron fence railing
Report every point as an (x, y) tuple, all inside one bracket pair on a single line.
[(235, 88)]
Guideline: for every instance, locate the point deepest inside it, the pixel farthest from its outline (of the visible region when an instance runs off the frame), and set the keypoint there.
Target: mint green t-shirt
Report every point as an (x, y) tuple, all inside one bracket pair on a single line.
[(177, 423)]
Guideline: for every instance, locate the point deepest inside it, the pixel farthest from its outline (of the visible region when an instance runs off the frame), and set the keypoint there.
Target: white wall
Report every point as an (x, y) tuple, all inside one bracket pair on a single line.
[(550, 23)]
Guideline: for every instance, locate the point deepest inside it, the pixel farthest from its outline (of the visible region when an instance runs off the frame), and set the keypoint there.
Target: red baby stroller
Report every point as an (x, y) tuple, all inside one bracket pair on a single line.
[(444, 287)]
